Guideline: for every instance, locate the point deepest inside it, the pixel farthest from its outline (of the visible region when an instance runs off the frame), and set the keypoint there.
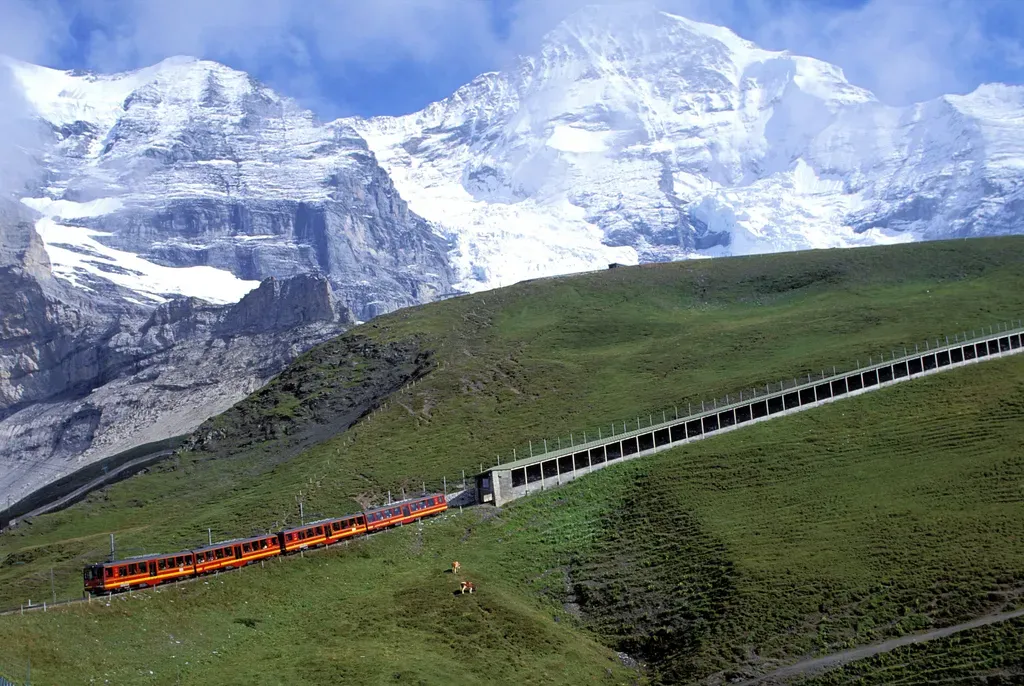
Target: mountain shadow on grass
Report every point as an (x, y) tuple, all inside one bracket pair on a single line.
[(655, 585)]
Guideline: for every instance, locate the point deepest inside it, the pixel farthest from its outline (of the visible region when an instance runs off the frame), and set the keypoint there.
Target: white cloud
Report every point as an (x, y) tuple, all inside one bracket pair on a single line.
[(27, 32), (904, 50)]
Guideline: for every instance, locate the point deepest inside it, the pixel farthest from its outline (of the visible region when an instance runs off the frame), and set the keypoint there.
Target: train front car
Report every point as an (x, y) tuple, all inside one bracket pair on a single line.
[(405, 511), (138, 572), (312, 535), (92, 576), (235, 553)]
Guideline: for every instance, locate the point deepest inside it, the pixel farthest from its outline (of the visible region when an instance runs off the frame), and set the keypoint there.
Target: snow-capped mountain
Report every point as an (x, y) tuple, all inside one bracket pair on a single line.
[(637, 135), (187, 233), (630, 135), (190, 178)]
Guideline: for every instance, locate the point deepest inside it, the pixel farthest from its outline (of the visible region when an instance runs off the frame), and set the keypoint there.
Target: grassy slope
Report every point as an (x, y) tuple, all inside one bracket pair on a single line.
[(869, 518), (544, 358), (756, 548)]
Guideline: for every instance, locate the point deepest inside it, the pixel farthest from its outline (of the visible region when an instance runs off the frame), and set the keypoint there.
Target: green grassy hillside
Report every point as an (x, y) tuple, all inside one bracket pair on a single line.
[(803, 534)]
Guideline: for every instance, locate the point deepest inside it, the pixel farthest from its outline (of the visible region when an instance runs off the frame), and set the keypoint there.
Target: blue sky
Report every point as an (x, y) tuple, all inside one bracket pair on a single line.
[(366, 57)]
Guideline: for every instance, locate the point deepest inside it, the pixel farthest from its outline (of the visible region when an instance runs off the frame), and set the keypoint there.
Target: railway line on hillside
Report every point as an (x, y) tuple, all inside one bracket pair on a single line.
[(555, 468)]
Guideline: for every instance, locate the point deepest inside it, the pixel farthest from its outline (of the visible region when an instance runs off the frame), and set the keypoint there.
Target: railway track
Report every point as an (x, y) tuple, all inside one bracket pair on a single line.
[(87, 599)]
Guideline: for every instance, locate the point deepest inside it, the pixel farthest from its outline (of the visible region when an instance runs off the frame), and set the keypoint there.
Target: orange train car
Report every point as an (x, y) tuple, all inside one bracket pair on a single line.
[(320, 533), (138, 572), (152, 570), (405, 511), (236, 553)]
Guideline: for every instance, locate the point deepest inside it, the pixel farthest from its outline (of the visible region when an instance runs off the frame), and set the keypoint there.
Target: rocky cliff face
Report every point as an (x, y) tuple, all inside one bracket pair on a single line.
[(185, 234), (85, 378), (190, 178)]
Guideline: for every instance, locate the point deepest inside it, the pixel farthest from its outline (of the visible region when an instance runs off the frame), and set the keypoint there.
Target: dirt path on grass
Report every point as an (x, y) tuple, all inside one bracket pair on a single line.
[(822, 663)]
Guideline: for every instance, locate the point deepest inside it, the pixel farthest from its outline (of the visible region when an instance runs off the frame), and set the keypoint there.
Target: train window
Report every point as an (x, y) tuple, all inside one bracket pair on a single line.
[(336, 526), (122, 571), (110, 572), (246, 548), (200, 559), (319, 531), (161, 564), (219, 553)]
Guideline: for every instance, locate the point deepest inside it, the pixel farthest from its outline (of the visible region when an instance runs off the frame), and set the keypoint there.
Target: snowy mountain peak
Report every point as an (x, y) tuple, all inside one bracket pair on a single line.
[(633, 134), (191, 178), (65, 97)]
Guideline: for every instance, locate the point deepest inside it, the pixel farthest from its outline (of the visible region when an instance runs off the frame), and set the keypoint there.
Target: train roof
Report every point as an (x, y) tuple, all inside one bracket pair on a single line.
[(399, 503), (222, 544), (320, 521), (142, 558)]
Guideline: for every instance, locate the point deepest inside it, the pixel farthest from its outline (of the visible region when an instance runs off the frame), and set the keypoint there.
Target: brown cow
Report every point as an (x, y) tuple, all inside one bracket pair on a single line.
[(467, 586), (456, 567)]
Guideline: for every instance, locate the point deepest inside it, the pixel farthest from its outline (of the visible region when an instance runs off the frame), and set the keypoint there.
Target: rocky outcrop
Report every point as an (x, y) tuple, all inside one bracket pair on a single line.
[(82, 379), (184, 179), (202, 166)]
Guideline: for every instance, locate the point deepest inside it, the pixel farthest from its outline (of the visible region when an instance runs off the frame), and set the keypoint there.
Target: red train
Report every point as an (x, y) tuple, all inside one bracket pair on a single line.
[(153, 570)]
